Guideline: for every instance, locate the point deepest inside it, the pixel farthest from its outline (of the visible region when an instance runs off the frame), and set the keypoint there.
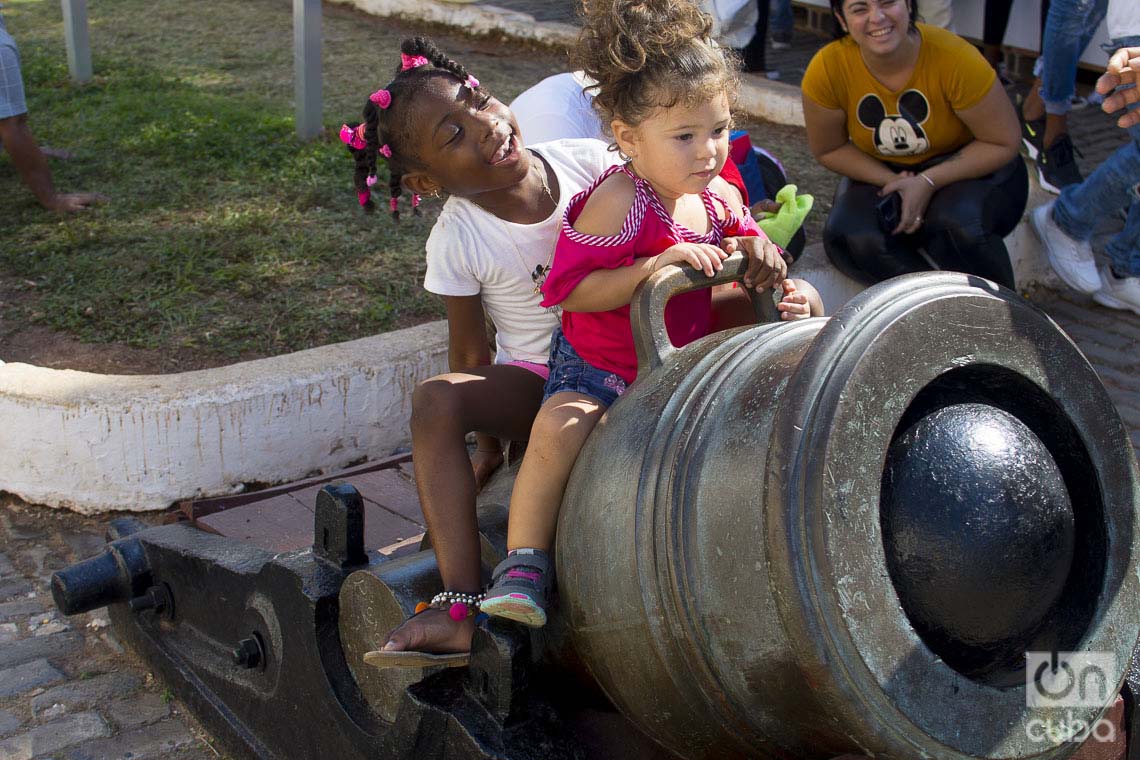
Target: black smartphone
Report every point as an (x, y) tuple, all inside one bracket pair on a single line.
[(889, 209)]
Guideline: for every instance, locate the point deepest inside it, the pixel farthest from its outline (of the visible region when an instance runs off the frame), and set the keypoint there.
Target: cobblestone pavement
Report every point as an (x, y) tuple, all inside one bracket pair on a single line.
[(68, 688), (1110, 340)]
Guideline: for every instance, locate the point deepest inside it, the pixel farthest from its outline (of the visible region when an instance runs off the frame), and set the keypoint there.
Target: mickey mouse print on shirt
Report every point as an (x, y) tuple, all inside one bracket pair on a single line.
[(899, 134)]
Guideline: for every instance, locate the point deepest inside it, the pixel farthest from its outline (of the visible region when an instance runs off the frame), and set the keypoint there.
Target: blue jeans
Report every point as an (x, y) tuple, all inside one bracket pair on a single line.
[(570, 372), (1110, 187), (1069, 28), (782, 19)]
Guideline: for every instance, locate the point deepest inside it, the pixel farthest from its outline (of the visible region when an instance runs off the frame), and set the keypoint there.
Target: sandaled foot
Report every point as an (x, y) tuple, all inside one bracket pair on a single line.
[(519, 589), (429, 638)]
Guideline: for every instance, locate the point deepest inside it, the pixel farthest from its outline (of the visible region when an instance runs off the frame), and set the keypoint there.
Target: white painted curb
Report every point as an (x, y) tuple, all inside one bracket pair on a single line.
[(92, 442)]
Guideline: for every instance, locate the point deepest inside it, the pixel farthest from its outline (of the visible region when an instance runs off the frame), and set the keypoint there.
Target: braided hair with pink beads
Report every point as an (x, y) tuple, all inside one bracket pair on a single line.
[(388, 121)]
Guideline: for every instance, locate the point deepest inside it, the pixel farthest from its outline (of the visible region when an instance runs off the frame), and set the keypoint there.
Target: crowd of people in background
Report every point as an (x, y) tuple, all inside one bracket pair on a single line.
[(918, 124)]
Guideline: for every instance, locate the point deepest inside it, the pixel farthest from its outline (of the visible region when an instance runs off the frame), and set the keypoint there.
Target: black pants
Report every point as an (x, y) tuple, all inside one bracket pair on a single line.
[(996, 18), (962, 229)]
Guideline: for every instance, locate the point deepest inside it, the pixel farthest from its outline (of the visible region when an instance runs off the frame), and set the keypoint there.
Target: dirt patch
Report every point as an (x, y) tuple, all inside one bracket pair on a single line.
[(44, 347)]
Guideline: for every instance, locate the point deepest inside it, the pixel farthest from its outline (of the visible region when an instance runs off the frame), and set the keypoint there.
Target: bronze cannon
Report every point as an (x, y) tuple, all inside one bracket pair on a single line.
[(806, 539)]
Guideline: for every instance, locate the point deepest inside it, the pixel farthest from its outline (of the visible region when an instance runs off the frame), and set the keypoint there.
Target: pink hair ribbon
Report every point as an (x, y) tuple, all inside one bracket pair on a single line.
[(382, 98), (412, 61), (385, 151), (471, 82), (353, 137), (364, 197)]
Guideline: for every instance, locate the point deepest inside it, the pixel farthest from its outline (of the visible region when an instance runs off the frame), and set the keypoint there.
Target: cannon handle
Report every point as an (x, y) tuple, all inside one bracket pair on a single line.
[(647, 307)]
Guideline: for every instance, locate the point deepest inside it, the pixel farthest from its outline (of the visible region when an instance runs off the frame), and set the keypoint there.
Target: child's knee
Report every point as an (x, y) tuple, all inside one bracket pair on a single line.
[(435, 398), (560, 423)]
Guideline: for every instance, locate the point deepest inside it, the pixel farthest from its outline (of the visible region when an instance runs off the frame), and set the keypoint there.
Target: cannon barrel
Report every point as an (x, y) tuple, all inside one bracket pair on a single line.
[(838, 536)]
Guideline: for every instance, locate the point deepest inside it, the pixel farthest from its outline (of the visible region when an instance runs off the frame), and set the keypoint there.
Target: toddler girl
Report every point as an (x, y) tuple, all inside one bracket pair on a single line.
[(665, 89)]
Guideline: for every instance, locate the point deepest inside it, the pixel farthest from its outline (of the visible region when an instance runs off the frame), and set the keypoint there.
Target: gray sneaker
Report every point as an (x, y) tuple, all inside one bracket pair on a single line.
[(520, 587), (1118, 293), (1071, 259)]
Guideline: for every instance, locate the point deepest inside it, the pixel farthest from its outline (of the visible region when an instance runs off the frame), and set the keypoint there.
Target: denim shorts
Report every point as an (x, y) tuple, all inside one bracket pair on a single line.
[(570, 372)]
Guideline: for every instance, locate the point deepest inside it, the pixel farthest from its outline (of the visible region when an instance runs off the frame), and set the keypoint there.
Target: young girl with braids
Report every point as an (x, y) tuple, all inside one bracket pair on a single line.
[(441, 132), (665, 89)]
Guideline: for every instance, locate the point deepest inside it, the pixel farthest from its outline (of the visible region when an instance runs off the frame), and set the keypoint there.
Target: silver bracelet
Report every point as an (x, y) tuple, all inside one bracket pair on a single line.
[(928, 179)]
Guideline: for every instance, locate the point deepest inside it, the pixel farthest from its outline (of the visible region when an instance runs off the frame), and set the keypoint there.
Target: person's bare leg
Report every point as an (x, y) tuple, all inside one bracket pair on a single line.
[(499, 400), (1056, 125), (559, 432), (1033, 107)]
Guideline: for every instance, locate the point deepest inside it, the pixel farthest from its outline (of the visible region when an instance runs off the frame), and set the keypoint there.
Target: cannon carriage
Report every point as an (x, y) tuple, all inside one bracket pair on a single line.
[(798, 540)]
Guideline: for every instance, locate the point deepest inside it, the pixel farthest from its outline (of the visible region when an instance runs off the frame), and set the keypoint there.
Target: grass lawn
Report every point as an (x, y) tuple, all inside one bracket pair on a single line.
[(226, 238)]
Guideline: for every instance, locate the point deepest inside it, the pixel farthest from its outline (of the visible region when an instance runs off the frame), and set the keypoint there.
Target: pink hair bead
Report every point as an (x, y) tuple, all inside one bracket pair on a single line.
[(385, 151), (412, 61), (371, 180), (382, 98), (458, 611)]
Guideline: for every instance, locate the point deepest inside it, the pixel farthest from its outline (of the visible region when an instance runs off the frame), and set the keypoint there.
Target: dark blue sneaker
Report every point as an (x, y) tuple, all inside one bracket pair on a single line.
[(1057, 166)]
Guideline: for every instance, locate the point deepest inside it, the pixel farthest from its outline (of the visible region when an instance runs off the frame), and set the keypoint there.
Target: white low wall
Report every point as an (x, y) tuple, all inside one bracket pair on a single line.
[(92, 442)]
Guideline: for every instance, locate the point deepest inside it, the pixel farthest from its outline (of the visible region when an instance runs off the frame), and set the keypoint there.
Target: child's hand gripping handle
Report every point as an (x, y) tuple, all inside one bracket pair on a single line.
[(647, 308)]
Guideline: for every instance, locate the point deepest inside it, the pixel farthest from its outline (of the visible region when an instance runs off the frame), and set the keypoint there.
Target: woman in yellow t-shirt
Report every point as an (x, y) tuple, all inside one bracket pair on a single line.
[(899, 107)]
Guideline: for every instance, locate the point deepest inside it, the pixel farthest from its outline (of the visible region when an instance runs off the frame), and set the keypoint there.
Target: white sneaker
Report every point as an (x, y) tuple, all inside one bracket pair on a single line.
[(1118, 293), (1072, 259)]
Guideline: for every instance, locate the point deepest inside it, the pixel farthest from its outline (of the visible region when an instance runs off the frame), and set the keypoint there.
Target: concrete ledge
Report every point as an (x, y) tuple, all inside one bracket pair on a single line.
[(92, 442)]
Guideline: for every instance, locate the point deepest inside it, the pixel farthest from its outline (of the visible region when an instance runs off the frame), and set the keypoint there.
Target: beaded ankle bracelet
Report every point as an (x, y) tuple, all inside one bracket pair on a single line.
[(459, 606)]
